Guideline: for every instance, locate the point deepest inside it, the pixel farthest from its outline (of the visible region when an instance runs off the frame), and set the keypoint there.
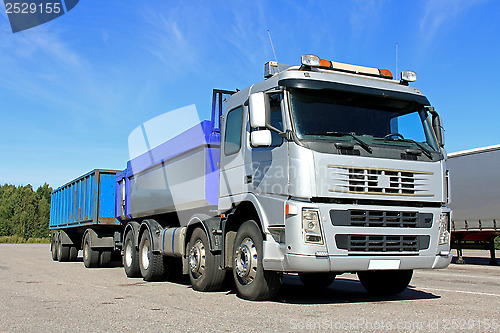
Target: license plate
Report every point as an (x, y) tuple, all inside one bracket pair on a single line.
[(384, 264)]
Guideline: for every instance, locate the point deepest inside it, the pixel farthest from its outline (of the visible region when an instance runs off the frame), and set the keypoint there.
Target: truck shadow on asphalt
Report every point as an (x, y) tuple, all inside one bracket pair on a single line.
[(342, 290)]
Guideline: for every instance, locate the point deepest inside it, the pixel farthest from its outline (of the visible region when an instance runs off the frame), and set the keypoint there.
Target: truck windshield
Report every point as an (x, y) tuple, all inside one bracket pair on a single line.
[(374, 120)]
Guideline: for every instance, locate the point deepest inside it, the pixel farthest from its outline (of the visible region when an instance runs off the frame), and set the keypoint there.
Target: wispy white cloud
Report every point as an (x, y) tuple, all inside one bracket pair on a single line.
[(41, 66), (439, 15), (364, 16)]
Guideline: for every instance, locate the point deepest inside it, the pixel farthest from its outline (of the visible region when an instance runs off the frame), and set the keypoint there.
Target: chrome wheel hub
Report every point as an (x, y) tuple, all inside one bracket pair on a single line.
[(197, 258), (145, 255), (128, 254), (245, 261)]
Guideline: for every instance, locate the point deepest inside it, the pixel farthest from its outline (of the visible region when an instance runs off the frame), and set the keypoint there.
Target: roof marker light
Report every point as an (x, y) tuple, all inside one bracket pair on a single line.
[(385, 73), (310, 60), (408, 76)]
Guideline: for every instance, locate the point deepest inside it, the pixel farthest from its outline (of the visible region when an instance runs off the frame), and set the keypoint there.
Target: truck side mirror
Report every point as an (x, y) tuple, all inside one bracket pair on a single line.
[(259, 110), (437, 125), (261, 138)]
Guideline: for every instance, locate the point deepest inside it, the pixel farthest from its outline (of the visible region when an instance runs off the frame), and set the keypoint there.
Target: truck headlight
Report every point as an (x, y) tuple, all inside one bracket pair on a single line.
[(444, 229), (312, 226)]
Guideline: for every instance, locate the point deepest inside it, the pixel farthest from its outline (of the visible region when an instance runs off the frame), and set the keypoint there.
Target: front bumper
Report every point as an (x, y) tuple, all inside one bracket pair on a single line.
[(308, 263), (294, 255)]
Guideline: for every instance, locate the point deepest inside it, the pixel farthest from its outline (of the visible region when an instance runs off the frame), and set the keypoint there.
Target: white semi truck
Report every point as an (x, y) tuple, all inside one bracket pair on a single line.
[(320, 169), (475, 194)]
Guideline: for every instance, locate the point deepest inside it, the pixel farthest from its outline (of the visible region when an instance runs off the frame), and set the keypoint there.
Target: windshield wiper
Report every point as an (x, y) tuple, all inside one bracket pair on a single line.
[(363, 144), (416, 143)]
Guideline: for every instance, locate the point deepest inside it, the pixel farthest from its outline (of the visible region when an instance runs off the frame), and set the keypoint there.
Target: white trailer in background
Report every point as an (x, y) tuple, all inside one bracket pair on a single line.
[(475, 199)]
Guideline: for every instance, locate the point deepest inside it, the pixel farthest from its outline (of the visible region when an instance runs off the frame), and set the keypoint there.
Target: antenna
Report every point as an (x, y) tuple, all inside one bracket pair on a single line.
[(396, 60), (272, 45)]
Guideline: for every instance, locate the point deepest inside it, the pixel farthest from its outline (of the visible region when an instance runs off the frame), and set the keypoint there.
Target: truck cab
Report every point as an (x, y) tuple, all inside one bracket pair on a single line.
[(341, 168)]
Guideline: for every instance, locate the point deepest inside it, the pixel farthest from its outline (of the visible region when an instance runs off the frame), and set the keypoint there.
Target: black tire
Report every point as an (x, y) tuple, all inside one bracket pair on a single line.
[(252, 282), (73, 253), (150, 263), (204, 272), (90, 256), (384, 283), (104, 258), (53, 246), (130, 257), (62, 251), (317, 281)]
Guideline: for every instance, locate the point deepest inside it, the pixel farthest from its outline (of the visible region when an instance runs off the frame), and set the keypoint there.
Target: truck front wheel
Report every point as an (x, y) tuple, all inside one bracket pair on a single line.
[(204, 271), (383, 283), (252, 282), (151, 264)]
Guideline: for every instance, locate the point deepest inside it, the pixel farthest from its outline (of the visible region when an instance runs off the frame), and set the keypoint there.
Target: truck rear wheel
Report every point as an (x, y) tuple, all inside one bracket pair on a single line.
[(252, 282), (204, 271), (90, 257), (53, 247), (130, 257), (62, 251), (317, 281), (151, 264), (390, 282)]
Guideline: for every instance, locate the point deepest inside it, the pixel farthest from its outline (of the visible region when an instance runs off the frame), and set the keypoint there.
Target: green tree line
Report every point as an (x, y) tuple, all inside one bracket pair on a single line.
[(24, 212)]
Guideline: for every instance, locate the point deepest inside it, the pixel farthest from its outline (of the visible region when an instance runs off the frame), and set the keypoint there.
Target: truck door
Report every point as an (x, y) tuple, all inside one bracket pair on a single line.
[(232, 163), (266, 168)]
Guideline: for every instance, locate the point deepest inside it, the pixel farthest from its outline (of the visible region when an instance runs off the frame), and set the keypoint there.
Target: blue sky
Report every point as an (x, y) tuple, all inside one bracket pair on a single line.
[(72, 90)]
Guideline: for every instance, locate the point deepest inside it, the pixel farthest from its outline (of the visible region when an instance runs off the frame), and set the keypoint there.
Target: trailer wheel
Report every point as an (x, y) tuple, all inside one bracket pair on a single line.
[(204, 271), (62, 251), (390, 282), (73, 253), (317, 281), (252, 282), (131, 257), (90, 257), (104, 258), (151, 264), (53, 247)]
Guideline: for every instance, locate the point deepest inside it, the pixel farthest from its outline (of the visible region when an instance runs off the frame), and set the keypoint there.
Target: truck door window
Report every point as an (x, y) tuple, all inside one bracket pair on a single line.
[(276, 118), (232, 138)]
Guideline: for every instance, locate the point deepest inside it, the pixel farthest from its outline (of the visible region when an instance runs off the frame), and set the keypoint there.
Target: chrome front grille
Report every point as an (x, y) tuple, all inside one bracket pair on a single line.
[(363, 218), (382, 243), (380, 181), (380, 218)]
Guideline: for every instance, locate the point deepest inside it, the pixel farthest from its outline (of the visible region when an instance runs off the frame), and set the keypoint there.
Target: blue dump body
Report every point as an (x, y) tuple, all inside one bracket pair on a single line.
[(180, 174), (87, 200)]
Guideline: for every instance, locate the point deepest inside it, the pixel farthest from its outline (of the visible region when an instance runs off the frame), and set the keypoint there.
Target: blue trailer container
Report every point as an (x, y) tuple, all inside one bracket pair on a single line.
[(87, 200)]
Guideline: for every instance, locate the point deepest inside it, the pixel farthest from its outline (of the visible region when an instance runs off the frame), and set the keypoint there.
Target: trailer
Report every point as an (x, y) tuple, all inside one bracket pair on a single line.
[(475, 193), (82, 213), (320, 169)]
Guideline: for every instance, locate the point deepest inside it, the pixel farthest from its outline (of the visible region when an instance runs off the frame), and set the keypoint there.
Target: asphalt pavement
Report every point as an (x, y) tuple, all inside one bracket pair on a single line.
[(40, 295)]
